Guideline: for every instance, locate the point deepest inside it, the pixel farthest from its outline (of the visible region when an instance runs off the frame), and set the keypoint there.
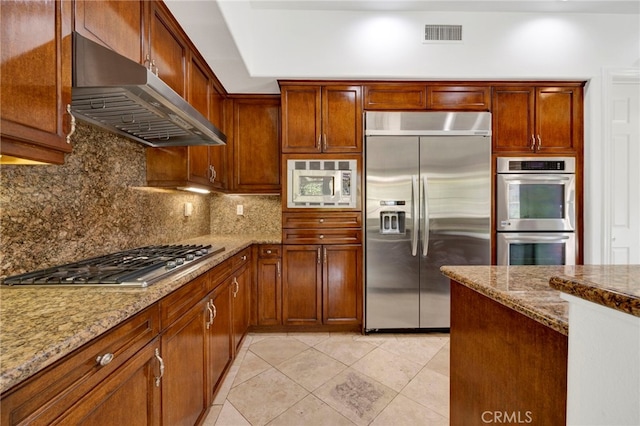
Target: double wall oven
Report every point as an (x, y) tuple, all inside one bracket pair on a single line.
[(536, 211)]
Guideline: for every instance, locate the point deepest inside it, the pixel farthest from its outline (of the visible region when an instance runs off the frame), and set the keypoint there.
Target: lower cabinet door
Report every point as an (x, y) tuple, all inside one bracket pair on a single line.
[(269, 297), (184, 399), (129, 396), (302, 284), (220, 352), (241, 296), (342, 284)]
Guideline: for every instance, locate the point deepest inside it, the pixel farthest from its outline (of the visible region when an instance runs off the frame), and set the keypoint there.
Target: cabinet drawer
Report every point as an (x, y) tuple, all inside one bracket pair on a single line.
[(45, 396), (395, 97), (468, 98), (321, 236), (267, 251), (180, 301), (220, 273), (240, 259), (322, 220)]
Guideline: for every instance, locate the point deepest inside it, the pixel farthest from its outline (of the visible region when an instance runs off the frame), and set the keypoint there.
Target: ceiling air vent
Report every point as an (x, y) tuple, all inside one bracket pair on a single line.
[(443, 34)]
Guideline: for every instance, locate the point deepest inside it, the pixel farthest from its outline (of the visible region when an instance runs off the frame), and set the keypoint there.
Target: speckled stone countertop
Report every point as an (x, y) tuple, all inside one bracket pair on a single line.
[(38, 326), (522, 288), (614, 286)]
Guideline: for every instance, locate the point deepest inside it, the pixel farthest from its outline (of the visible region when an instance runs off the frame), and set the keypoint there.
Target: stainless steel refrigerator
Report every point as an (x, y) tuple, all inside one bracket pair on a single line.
[(428, 204)]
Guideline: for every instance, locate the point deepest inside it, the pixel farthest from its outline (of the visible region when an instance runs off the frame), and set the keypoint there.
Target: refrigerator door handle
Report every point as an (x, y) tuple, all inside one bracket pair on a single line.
[(425, 228), (415, 212)]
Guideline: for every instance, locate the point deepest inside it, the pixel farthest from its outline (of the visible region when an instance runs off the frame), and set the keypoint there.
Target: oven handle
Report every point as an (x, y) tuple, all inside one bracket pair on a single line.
[(533, 237)]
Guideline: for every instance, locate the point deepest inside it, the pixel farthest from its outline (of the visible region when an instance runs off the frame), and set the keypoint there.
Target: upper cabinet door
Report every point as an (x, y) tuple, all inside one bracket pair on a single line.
[(559, 119), (319, 119), (116, 24), (537, 120), (342, 119), (168, 48), (513, 118), (35, 79), (256, 144), (301, 119)]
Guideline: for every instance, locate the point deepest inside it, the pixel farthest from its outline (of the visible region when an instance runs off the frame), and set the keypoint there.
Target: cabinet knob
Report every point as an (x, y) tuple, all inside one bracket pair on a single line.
[(321, 236), (268, 251), (105, 359), (321, 220)]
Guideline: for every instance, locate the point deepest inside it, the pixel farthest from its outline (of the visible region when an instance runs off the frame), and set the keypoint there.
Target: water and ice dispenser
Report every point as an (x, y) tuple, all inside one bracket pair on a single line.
[(392, 221)]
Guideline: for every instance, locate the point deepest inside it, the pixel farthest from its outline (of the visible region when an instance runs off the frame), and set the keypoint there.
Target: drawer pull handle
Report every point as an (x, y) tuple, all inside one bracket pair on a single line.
[(215, 311), (161, 361), (105, 359)]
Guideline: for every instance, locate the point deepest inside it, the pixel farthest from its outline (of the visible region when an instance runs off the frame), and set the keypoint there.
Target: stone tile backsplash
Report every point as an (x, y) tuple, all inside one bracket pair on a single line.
[(97, 203)]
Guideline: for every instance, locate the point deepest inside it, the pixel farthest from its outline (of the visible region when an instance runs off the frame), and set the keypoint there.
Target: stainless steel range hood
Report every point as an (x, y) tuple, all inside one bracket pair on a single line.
[(126, 98)]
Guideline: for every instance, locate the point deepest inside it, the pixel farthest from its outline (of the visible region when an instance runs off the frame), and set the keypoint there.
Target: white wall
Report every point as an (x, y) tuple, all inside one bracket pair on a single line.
[(324, 44)]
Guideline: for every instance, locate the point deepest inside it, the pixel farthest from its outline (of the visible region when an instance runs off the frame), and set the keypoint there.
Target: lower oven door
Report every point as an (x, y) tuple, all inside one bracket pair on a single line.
[(536, 248)]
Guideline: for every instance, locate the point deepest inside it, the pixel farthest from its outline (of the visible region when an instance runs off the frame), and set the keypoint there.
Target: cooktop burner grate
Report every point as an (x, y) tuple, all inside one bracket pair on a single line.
[(137, 267)]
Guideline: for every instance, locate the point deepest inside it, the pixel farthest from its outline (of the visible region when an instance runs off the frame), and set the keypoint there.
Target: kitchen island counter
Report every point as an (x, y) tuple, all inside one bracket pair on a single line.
[(41, 325), (524, 289), (510, 343)]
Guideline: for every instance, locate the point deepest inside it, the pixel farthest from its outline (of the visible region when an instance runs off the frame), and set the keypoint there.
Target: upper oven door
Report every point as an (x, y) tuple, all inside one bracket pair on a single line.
[(535, 202)]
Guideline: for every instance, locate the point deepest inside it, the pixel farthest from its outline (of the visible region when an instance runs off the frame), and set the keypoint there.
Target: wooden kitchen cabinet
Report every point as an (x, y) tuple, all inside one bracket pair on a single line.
[(116, 24), (420, 97), (269, 285), (321, 118), (220, 352), (395, 96), (184, 314), (128, 396), (254, 133), (322, 284), (342, 284), (35, 80), (458, 98), (168, 48), (531, 119), (241, 301), (302, 284), (115, 373)]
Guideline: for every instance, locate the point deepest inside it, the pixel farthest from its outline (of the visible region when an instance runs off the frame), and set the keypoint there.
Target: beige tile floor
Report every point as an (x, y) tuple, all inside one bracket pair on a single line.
[(306, 379)]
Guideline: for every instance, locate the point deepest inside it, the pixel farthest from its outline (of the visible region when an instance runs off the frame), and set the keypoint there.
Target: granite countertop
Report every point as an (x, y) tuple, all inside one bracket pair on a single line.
[(614, 286), (38, 326), (524, 289)]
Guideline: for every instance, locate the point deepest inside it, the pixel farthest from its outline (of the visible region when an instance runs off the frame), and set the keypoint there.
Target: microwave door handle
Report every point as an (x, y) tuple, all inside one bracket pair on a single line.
[(425, 210), (414, 212)]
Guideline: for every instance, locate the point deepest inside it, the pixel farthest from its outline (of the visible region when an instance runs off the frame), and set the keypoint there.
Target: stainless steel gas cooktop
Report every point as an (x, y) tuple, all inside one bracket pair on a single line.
[(139, 267)]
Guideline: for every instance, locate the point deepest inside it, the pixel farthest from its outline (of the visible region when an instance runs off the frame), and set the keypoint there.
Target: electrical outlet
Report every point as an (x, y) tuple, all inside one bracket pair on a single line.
[(188, 209), (240, 210)]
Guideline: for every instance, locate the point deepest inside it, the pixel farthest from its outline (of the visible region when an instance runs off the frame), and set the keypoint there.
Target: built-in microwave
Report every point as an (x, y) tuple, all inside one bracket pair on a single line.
[(321, 183)]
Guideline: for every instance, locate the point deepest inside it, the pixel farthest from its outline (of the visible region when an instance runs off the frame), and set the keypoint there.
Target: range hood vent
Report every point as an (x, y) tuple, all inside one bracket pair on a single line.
[(442, 33), (124, 97)]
